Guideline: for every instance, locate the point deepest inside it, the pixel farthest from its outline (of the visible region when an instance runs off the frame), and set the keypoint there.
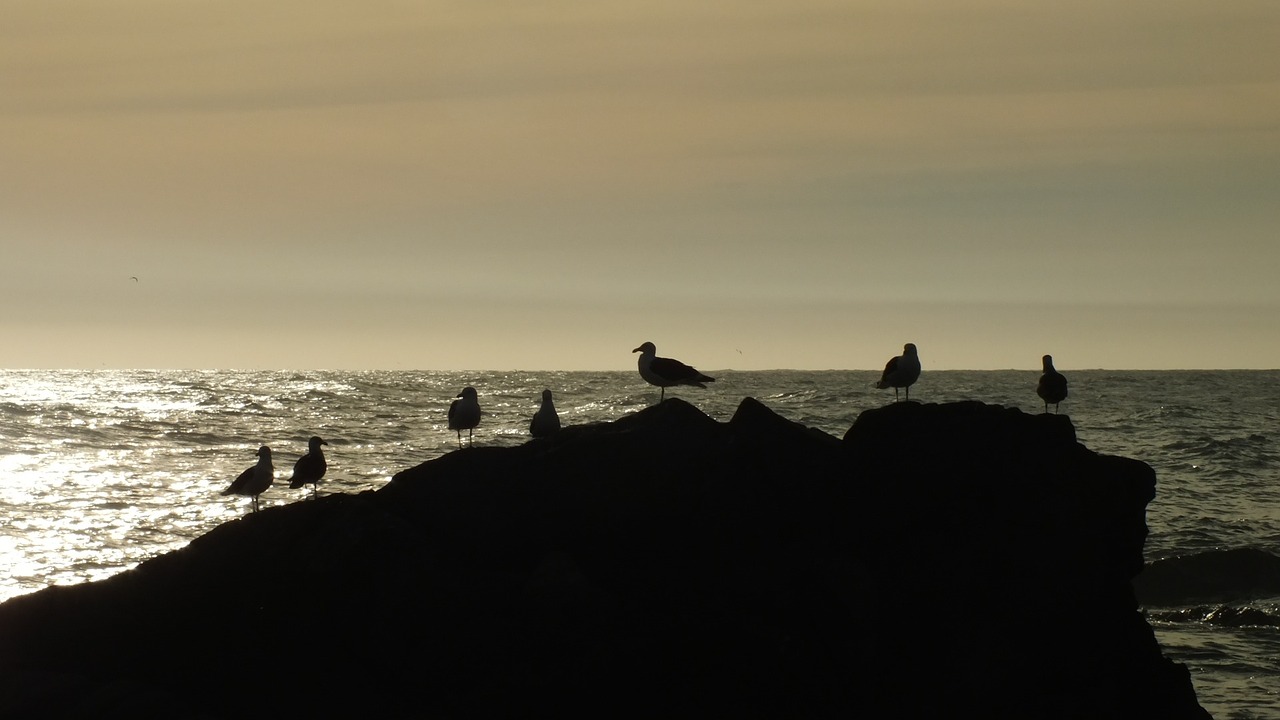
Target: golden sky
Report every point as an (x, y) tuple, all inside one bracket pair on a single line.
[(501, 185)]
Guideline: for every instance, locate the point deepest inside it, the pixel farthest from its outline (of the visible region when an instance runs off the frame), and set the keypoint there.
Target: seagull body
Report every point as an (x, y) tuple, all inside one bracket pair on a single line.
[(901, 371), (665, 372), (545, 421), (255, 480), (1053, 385), (464, 413), (310, 467)]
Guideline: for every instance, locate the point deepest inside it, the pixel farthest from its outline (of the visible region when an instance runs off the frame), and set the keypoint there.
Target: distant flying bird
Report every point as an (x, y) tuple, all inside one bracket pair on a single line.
[(901, 371), (133, 278), (255, 480), (1052, 387), (545, 421), (665, 372), (464, 413), (310, 467)]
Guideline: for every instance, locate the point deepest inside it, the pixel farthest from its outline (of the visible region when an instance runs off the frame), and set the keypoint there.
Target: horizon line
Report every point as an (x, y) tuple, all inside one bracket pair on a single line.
[(607, 370)]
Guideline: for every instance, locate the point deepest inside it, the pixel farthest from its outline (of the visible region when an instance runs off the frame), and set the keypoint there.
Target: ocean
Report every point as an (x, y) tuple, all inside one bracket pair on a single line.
[(100, 470)]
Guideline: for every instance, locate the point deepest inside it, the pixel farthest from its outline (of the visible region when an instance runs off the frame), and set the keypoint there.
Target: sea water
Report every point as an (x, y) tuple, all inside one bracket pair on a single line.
[(100, 470)]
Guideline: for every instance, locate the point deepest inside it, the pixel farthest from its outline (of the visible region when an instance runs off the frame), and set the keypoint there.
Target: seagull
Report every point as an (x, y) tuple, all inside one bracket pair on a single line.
[(901, 371), (310, 467), (665, 372), (255, 480), (545, 421), (464, 413), (1053, 385)]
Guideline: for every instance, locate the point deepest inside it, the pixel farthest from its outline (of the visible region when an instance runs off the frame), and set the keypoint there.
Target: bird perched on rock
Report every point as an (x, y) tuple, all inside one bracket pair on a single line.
[(545, 421), (1052, 387), (464, 413), (901, 371), (255, 480), (665, 372), (310, 467)]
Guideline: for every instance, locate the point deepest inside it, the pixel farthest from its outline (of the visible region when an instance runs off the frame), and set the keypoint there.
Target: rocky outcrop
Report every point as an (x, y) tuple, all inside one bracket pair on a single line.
[(1214, 576), (937, 561)]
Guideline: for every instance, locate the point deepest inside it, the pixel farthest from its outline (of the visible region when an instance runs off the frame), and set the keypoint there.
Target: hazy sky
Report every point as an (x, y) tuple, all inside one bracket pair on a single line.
[(514, 185)]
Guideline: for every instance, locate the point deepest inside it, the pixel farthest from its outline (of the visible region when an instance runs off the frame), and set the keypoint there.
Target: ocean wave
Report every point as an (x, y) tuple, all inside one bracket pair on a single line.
[(1215, 576), (1221, 615), (19, 410)]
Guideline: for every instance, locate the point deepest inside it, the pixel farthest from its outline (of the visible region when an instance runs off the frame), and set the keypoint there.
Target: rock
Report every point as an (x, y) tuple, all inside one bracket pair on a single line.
[(937, 561), (1235, 575)]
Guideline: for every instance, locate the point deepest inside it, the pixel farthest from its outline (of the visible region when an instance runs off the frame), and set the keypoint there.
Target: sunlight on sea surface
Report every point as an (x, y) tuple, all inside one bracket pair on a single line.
[(1227, 665), (99, 470)]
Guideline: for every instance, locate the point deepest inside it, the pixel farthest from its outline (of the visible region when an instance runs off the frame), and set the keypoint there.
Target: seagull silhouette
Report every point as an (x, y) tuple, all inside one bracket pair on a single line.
[(545, 421), (310, 467), (901, 371), (464, 414), (665, 372), (1052, 387), (255, 480)]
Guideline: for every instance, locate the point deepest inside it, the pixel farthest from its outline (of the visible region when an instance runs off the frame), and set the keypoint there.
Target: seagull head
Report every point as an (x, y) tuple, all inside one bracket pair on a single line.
[(646, 348)]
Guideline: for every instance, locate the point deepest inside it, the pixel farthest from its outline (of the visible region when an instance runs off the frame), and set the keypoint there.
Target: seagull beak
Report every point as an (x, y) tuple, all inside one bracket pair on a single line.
[(636, 350)]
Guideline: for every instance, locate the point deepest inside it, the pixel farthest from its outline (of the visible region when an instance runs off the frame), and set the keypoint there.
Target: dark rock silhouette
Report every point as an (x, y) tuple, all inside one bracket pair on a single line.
[(1215, 576), (938, 561)]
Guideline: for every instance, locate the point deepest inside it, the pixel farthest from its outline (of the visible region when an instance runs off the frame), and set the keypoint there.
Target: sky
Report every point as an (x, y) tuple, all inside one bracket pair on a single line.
[(502, 185)]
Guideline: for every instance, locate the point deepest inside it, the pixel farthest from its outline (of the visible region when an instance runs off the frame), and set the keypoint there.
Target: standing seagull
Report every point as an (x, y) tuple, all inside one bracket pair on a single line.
[(545, 421), (310, 467), (255, 480), (1053, 385), (901, 371), (464, 413), (665, 372)]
